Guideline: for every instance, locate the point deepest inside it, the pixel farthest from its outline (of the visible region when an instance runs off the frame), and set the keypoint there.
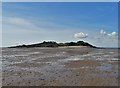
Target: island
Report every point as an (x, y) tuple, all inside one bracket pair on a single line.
[(55, 44)]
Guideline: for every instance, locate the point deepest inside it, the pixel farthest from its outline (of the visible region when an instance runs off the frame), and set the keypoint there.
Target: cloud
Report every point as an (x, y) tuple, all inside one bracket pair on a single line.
[(80, 35), (112, 34), (19, 23), (20, 30), (103, 32)]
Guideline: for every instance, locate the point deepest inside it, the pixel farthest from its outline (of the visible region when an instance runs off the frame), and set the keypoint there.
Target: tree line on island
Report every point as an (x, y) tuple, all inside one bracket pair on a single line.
[(55, 44)]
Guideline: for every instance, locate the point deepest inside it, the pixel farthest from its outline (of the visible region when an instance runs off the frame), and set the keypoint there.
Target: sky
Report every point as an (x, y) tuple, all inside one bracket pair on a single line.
[(60, 0), (34, 22)]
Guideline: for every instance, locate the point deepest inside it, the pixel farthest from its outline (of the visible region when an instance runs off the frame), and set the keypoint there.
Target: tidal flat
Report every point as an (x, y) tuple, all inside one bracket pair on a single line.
[(68, 66)]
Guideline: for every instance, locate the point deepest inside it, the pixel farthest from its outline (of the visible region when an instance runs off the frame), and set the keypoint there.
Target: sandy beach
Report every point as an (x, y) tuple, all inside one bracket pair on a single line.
[(68, 66)]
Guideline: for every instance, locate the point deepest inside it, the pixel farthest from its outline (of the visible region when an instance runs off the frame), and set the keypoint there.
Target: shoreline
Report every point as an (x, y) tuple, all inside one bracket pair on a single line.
[(60, 67), (64, 47)]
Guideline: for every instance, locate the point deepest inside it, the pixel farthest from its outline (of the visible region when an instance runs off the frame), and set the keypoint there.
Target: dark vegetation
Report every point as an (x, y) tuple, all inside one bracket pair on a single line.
[(54, 44)]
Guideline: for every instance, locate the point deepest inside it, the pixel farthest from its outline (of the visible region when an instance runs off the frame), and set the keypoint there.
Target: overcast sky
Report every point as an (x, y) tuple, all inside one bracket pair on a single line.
[(26, 23)]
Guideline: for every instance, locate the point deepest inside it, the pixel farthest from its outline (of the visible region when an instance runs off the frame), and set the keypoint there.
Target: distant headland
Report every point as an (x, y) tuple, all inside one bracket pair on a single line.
[(55, 44)]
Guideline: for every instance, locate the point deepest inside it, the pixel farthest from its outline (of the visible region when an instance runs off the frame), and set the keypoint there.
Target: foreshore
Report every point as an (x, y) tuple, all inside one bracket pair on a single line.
[(64, 66)]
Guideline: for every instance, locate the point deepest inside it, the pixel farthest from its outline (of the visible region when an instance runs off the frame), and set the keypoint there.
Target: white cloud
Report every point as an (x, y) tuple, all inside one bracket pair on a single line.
[(113, 34), (17, 22), (80, 35), (104, 39), (103, 32)]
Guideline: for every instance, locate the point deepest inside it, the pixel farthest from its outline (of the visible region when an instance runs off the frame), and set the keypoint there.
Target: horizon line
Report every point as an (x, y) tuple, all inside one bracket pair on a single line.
[(58, 43)]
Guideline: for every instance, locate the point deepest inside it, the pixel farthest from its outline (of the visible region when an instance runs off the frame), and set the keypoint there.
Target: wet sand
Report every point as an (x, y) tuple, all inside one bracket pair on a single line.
[(68, 66)]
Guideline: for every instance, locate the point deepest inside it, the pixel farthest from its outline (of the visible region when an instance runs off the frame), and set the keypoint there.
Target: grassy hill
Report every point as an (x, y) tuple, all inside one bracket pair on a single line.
[(55, 44)]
